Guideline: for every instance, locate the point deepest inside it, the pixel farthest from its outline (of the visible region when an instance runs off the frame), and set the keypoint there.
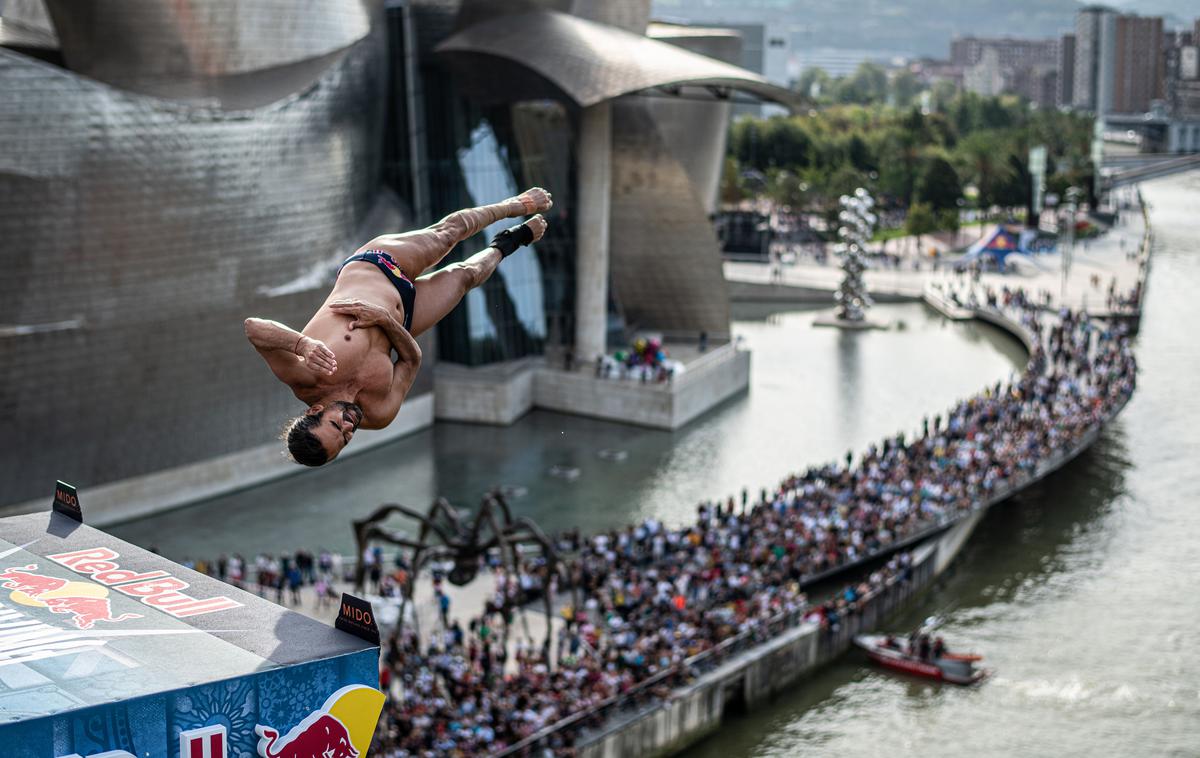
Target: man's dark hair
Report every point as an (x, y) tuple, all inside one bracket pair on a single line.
[(303, 446)]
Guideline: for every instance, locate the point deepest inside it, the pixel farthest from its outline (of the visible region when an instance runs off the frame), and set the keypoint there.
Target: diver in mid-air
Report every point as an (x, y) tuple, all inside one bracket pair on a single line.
[(340, 364)]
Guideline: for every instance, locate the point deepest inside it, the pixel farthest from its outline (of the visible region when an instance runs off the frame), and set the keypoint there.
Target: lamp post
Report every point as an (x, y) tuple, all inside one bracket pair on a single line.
[(857, 220), (1068, 252)]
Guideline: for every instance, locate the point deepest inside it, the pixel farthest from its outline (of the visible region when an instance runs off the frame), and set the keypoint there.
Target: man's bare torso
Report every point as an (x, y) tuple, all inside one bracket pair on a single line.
[(364, 362)]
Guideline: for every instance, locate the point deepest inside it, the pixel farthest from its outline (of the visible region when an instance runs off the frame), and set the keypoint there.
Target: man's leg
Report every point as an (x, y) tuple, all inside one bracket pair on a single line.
[(439, 292), (416, 252)]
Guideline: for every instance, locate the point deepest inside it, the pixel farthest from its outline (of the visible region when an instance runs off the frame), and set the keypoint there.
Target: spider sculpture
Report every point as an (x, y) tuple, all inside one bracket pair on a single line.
[(445, 535)]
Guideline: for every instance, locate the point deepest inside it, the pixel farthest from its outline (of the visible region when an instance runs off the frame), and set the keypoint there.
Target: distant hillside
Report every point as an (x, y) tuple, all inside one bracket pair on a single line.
[(916, 27), (925, 27)]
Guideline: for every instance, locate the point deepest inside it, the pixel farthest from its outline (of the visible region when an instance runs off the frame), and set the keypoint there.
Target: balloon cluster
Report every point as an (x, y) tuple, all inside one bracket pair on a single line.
[(857, 220), (645, 352)]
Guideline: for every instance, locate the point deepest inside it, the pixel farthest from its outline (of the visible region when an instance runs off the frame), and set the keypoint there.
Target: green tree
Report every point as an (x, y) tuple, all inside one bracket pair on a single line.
[(939, 186), (949, 220), (746, 142), (814, 84), (785, 143), (905, 88), (732, 190), (868, 84), (787, 189), (919, 221), (983, 159), (860, 155), (899, 163), (1015, 189), (944, 91)]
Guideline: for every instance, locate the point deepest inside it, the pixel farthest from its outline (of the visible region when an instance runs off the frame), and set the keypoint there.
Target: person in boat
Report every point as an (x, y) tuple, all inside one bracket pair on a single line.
[(923, 647), (939, 648), (890, 643), (912, 642)]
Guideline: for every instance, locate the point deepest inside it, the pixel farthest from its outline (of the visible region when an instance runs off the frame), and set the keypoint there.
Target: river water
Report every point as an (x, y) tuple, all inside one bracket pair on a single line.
[(815, 393), (1081, 593)]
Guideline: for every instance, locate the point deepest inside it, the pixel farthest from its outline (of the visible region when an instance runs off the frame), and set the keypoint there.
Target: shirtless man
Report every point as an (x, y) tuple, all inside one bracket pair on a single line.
[(340, 365)]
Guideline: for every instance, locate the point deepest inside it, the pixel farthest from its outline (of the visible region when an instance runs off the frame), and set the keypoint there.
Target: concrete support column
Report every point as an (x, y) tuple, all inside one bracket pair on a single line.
[(591, 232)]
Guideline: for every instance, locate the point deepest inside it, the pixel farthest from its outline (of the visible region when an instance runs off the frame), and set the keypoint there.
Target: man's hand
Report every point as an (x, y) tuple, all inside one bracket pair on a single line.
[(316, 355), (365, 314)]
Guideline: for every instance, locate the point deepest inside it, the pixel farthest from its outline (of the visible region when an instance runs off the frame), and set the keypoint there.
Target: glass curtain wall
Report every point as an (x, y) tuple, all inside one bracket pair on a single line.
[(481, 155), (467, 155)]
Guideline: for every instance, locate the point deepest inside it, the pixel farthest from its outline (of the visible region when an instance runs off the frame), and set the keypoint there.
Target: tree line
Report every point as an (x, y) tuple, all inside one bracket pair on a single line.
[(928, 151)]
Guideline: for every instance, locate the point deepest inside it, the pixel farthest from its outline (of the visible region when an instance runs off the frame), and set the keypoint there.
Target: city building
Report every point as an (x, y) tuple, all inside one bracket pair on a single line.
[(166, 174), (1011, 52), (1138, 63), (1066, 71), (767, 42), (1095, 31), (1025, 67), (985, 76)]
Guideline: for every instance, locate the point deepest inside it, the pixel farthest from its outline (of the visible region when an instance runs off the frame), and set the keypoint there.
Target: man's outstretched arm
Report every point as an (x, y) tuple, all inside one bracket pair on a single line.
[(274, 341), (404, 371), (369, 314)]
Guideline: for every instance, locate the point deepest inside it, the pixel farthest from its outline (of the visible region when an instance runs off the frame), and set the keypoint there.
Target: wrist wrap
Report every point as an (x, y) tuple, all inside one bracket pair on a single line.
[(512, 238)]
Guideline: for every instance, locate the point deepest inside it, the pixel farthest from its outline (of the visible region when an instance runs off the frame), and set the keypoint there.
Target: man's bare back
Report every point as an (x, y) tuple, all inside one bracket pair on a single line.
[(341, 363)]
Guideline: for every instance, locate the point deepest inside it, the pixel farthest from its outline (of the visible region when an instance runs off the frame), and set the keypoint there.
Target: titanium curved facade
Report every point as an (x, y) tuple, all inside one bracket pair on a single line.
[(156, 191), (665, 261), (136, 234), (666, 152)]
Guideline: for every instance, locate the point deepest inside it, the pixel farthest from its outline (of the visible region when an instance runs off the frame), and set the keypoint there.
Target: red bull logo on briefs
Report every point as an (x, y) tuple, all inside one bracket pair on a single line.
[(341, 728), (87, 604)]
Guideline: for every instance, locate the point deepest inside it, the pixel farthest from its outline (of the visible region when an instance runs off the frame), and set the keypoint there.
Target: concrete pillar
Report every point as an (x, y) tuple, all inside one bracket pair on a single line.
[(591, 232)]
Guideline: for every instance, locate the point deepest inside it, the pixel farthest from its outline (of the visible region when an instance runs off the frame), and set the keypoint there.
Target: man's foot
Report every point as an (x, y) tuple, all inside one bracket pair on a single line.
[(533, 200), (509, 240), (537, 225)]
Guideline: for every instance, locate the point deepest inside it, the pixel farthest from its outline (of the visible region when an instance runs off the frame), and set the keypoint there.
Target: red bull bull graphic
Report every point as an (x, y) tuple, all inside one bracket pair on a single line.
[(342, 728), (157, 589), (85, 603)]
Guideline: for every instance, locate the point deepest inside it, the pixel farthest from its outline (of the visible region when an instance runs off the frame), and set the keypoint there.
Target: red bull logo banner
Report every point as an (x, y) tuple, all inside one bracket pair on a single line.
[(154, 588), (84, 603)]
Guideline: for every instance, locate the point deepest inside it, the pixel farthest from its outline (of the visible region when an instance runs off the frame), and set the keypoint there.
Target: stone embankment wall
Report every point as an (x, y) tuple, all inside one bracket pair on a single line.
[(502, 394), (753, 677)]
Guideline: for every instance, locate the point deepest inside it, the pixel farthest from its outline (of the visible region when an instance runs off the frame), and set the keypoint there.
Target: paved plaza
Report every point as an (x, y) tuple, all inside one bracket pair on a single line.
[(1094, 265)]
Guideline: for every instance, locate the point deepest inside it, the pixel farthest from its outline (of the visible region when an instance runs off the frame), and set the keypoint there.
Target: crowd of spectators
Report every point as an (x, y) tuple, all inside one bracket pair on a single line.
[(649, 599), (642, 606)]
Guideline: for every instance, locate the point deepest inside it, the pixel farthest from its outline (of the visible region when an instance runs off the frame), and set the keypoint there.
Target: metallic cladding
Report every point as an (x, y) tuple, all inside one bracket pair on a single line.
[(665, 261), (592, 62), (135, 236), (122, 42)]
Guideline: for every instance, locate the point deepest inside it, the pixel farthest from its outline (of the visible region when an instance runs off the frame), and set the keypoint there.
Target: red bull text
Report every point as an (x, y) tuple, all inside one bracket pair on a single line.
[(157, 589)]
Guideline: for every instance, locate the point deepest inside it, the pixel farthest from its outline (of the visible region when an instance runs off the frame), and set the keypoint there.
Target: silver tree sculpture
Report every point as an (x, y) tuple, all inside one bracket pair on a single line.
[(857, 221)]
